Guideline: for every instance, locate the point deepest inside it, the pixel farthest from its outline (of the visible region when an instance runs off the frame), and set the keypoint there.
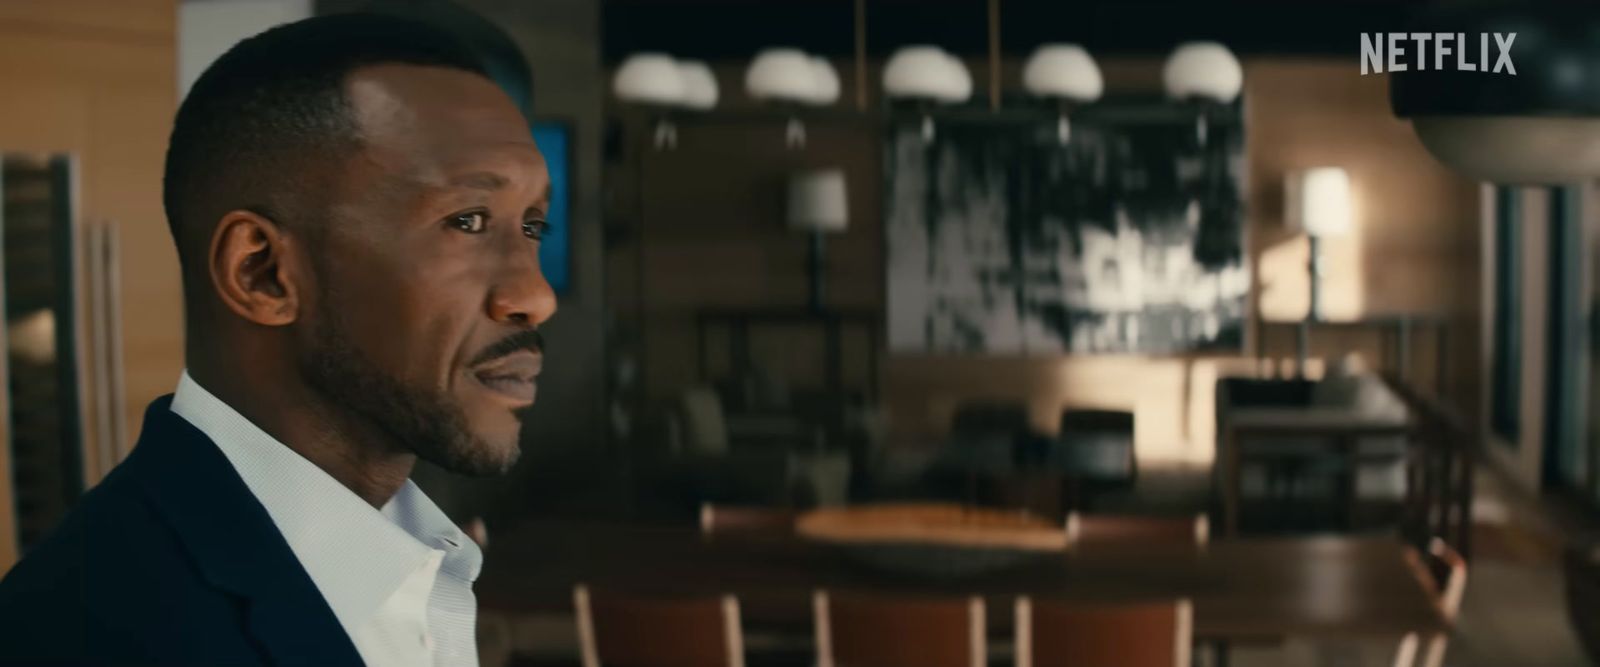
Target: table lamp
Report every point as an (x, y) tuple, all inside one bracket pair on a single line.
[(1318, 202), (1319, 206), (818, 205)]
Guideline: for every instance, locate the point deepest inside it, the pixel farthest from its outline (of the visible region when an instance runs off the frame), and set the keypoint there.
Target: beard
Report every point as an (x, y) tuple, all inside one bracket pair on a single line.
[(424, 421)]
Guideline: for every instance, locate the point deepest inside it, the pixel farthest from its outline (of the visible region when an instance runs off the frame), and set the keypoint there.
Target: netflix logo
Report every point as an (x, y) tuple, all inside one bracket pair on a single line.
[(1383, 52)]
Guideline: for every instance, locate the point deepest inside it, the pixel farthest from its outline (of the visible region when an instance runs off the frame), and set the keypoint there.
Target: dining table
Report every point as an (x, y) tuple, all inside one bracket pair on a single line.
[(1242, 589), (1258, 431)]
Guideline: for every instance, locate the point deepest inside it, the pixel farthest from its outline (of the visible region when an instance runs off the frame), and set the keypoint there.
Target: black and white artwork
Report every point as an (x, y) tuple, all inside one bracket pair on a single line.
[(1127, 238)]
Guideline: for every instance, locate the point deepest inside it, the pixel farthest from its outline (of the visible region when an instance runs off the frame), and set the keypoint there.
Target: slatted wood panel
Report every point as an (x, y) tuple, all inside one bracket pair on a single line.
[(43, 407)]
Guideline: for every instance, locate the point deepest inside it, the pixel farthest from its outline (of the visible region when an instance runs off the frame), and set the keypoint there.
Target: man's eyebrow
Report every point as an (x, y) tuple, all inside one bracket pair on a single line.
[(481, 180), (543, 202)]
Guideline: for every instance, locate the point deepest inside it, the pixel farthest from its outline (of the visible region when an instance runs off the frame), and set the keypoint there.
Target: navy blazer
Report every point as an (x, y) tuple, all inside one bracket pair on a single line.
[(169, 561)]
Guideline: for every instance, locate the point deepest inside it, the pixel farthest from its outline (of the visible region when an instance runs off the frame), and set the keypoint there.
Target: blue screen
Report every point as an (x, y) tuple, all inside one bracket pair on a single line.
[(555, 250)]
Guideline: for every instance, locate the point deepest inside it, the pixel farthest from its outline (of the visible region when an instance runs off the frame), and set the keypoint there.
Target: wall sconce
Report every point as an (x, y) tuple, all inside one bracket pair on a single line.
[(1066, 73), (927, 75), (1206, 73), (793, 79), (818, 205)]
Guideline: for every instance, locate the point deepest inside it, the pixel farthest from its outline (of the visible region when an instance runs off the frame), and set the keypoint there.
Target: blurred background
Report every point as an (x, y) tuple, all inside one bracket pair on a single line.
[(827, 264)]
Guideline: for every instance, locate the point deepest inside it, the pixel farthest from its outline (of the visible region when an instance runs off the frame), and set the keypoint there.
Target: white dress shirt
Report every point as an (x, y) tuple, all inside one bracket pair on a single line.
[(398, 579)]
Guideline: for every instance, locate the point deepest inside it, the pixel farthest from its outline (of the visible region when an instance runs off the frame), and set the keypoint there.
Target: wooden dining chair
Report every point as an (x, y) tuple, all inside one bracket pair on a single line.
[(625, 631), (730, 518), (1446, 578), (1109, 529), (1099, 446), (1441, 571), (873, 631), (1062, 634)]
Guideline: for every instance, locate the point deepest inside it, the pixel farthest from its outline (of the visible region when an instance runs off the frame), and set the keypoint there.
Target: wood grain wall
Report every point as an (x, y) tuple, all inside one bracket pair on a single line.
[(97, 79)]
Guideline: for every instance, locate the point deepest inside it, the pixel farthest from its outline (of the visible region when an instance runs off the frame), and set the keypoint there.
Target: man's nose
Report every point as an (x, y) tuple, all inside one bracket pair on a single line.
[(521, 296)]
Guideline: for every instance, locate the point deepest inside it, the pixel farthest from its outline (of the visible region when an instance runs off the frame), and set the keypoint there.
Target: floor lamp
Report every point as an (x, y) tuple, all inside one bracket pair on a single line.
[(818, 206), (1318, 205)]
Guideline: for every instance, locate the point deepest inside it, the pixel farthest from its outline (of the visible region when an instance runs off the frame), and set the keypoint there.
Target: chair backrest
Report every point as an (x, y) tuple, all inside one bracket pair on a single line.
[(1099, 442), (1076, 420), (1103, 529), (873, 631), (1447, 571), (1060, 634), (745, 519), (626, 631)]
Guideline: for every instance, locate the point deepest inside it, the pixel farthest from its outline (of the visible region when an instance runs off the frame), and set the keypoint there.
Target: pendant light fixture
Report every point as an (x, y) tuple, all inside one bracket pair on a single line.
[(792, 79), (1205, 74), (1067, 74), (1538, 126), (927, 76)]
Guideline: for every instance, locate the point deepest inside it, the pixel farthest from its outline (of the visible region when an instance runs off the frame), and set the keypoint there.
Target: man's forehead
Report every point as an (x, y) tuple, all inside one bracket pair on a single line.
[(441, 124), (492, 167), (394, 101), (461, 166)]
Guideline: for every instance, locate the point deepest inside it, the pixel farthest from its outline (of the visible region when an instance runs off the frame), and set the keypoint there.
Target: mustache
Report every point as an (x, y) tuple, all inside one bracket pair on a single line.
[(526, 340)]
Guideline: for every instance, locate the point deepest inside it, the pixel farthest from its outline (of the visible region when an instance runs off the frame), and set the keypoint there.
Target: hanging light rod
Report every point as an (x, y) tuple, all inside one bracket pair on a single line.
[(994, 55)]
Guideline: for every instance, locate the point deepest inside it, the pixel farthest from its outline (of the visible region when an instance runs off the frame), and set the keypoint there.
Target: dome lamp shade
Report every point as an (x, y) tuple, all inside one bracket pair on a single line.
[(699, 85), (1538, 126), (650, 78), (782, 75), (1066, 73), (1203, 70)]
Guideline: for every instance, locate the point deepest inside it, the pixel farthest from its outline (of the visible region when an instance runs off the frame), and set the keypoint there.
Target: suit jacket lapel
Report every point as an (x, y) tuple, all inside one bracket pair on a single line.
[(234, 542)]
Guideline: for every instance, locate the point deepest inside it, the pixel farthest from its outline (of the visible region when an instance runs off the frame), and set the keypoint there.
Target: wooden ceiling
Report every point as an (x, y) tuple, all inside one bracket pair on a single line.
[(735, 29)]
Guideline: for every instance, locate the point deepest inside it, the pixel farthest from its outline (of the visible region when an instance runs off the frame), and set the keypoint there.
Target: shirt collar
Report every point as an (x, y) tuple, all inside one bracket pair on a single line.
[(357, 555)]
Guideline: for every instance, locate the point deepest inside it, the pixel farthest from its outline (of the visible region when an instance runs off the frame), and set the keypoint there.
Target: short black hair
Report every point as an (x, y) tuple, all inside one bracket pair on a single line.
[(274, 106)]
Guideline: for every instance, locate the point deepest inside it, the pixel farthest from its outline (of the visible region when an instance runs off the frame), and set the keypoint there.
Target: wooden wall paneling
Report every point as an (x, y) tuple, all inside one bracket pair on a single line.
[(149, 21), (97, 79), (122, 183)]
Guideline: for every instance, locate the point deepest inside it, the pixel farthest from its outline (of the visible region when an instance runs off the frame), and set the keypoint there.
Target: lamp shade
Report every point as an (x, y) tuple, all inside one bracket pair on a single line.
[(1540, 126), (650, 78), (1515, 150), (825, 80), (1318, 200), (699, 85), (960, 81), (783, 75), (1205, 70), (818, 201), (928, 73), (1063, 71)]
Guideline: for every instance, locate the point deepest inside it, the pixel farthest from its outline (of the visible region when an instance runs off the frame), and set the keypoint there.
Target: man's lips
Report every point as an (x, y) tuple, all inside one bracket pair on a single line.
[(514, 376)]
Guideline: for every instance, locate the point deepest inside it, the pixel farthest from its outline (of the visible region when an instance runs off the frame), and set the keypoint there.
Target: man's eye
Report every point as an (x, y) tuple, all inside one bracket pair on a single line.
[(535, 229), (471, 223)]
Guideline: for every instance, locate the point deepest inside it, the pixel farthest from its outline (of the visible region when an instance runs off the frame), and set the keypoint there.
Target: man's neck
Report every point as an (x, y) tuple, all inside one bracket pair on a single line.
[(347, 447)]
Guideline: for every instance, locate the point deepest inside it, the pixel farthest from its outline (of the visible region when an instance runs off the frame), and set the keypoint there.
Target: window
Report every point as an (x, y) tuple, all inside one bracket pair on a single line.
[(1566, 456), (1506, 371)]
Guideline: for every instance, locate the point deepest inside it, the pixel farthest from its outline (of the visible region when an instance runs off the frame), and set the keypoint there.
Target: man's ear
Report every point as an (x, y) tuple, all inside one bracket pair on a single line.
[(252, 269)]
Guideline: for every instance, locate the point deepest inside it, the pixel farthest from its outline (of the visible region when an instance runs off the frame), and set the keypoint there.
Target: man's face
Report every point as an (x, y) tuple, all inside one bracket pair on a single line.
[(423, 318)]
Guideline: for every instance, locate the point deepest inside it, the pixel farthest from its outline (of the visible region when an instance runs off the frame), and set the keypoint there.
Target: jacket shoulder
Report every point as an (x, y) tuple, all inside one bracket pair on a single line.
[(112, 581)]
